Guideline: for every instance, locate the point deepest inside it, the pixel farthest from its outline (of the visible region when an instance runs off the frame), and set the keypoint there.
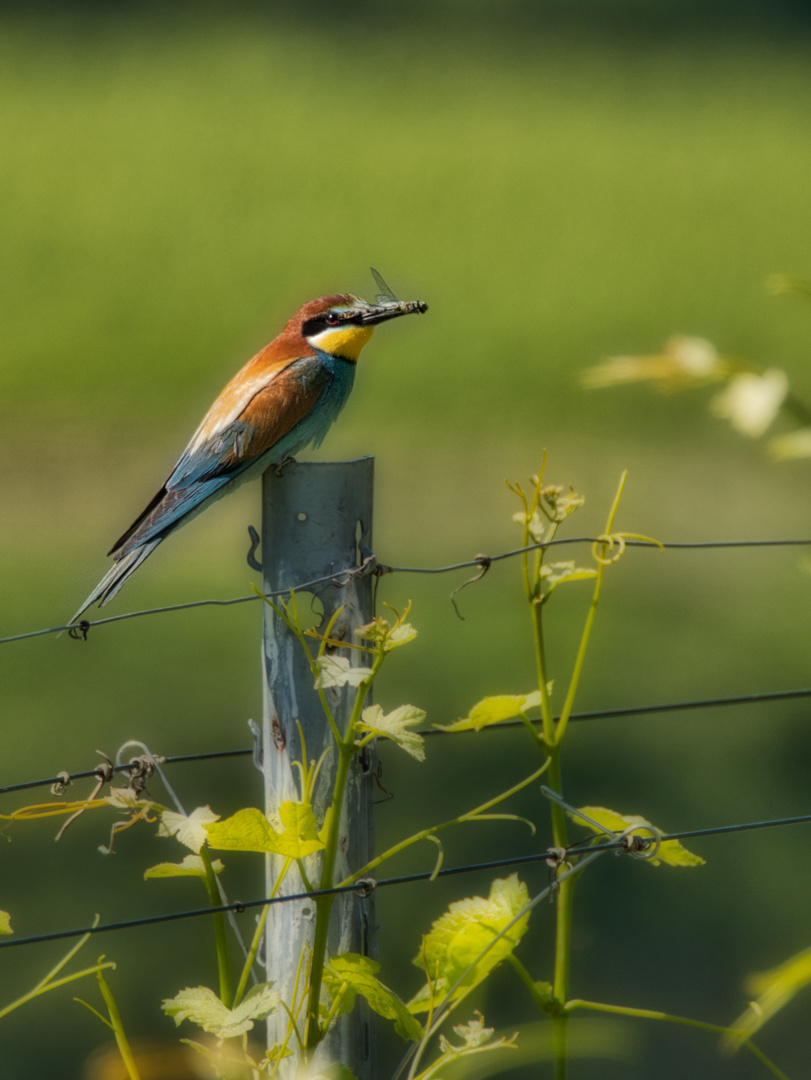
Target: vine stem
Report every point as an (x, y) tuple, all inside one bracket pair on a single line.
[(223, 966), (45, 985), (346, 752), (122, 1042), (472, 815), (568, 704), (563, 924), (654, 1014), (324, 903), (552, 739), (257, 937), (540, 999)]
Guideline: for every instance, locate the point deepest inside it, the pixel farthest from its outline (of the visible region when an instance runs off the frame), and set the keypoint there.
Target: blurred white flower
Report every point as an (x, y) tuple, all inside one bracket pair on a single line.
[(750, 402), (686, 361)]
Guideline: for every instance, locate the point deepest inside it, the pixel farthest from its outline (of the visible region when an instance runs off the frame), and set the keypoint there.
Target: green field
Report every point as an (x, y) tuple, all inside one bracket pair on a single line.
[(171, 193)]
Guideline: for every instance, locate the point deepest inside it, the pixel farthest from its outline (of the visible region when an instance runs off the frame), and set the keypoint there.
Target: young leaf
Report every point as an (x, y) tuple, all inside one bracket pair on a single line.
[(192, 866), (400, 635), (125, 798), (536, 525), (250, 830), (5, 923), (190, 830), (395, 725), (204, 1008), (560, 504), (460, 936), (337, 671), (670, 852), (492, 710), (353, 974), (476, 1039), (561, 573), (388, 637), (474, 1033)]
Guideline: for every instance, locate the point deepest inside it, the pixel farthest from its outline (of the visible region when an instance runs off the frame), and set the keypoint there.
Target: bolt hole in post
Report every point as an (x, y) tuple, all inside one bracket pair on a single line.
[(330, 498)]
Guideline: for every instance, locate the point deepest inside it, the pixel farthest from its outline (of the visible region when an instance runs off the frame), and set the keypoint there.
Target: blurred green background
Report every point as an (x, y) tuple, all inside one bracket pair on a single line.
[(559, 186)]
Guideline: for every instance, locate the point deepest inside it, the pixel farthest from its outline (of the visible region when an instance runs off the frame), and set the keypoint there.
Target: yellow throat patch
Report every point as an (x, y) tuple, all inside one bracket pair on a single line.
[(344, 341)]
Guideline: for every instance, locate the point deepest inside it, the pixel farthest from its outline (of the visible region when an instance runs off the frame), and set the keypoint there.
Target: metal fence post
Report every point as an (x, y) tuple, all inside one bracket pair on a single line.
[(313, 518)]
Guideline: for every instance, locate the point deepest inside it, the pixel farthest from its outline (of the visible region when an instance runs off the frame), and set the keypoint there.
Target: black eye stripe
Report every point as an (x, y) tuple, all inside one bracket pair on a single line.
[(330, 320), (313, 326)]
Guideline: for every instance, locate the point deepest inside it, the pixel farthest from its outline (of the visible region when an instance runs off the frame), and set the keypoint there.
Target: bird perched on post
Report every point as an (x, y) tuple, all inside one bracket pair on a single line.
[(284, 398)]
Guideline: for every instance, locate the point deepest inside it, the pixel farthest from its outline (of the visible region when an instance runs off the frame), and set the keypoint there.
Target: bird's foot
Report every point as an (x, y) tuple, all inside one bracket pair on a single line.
[(280, 466)]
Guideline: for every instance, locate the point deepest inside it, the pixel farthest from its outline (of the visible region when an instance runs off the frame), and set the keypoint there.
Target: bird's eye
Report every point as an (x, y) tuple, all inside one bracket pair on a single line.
[(333, 318)]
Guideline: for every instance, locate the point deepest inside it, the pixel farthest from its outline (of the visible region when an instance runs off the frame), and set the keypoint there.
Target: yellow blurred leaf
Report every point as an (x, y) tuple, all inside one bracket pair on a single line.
[(670, 852), (795, 444), (775, 988)]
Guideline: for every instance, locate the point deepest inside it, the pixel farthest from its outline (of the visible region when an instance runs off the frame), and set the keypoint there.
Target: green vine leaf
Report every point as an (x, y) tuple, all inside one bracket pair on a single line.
[(189, 830), (192, 866), (5, 923), (250, 830), (670, 852), (338, 671), (351, 974), (202, 1006), (300, 836), (395, 725), (494, 710), (459, 937)]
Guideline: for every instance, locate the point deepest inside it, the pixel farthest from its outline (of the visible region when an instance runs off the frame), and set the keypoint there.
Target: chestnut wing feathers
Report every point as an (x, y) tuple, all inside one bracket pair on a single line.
[(202, 470)]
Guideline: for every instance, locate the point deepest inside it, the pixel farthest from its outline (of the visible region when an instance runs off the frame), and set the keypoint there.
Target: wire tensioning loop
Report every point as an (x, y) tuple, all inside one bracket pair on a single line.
[(641, 847)]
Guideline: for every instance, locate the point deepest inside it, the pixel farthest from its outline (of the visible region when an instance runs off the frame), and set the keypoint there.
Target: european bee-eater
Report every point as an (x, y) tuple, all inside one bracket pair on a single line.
[(287, 396)]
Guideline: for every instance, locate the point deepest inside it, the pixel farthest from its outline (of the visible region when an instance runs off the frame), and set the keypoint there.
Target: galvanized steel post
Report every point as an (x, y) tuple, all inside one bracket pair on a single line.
[(315, 516)]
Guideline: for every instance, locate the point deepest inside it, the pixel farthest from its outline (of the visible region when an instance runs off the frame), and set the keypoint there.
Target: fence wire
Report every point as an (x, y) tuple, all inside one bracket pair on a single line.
[(364, 887), (64, 778), (371, 565)]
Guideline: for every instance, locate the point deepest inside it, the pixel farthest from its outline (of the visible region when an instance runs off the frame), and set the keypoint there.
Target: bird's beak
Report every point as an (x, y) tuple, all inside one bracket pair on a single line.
[(377, 313)]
